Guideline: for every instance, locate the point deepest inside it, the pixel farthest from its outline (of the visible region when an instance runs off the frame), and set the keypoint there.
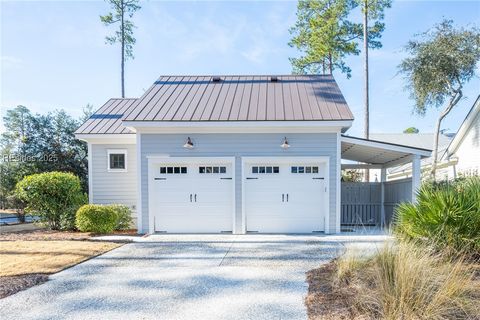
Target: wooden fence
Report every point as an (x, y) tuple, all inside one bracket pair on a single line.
[(395, 192), (362, 201)]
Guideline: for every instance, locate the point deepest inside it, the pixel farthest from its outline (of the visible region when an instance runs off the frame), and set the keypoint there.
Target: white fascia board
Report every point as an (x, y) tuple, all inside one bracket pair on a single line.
[(387, 146), (125, 138), (464, 129), (237, 126)]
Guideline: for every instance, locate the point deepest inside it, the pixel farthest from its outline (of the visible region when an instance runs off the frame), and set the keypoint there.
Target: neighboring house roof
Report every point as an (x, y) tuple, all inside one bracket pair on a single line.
[(464, 128), (241, 98), (108, 119), (417, 140)]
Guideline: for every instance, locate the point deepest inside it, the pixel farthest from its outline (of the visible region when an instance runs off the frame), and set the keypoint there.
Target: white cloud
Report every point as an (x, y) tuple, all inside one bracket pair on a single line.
[(10, 62)]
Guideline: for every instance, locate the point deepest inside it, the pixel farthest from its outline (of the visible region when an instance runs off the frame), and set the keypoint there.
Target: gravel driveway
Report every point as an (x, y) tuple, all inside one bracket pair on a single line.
[(184, 277)]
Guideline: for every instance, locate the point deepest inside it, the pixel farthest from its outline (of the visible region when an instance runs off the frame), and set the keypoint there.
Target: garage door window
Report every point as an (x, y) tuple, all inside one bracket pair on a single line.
[(265, 169), (212, 170), (304, 169), (173, 170)]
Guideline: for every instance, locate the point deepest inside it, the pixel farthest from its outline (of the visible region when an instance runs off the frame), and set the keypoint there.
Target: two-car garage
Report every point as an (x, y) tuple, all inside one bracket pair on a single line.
[(267, 195)]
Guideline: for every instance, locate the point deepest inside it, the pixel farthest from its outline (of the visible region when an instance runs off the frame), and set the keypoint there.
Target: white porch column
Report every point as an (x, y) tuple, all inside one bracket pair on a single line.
[(383, 178), (416, 176)]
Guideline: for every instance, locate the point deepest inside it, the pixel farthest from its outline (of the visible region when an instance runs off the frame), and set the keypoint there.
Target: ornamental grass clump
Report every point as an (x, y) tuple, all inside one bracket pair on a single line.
[(409, 281)]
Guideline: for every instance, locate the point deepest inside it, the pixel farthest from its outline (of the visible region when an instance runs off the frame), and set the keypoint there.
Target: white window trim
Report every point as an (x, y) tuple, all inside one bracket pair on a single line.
[(117, 151)]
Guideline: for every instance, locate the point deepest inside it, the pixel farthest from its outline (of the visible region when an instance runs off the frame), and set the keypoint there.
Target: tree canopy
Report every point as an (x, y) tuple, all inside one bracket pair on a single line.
[(122, 12), (325, 35), (411, 130), (439, 62), (34, 143)]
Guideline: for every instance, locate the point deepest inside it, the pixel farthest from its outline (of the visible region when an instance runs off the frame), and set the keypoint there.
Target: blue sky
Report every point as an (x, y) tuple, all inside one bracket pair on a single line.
[(53, 54)]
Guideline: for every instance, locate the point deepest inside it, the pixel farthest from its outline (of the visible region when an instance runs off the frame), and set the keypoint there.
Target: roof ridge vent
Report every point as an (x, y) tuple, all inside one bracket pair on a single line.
[(273, 78), (216, 79)]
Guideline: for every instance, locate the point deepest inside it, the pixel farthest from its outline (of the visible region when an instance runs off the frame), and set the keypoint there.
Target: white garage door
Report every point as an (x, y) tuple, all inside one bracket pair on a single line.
[(285, 197), (192, 197)]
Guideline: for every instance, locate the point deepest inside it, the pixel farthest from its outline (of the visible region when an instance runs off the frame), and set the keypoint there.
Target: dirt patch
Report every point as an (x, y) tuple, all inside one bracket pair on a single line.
[(13, 284), (327, 300)]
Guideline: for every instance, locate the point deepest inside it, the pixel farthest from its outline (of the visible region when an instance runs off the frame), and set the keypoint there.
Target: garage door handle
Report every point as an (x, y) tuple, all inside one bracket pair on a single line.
[(317, 178), (226, 178), (190, 197), (283, 197), (252, 178), (287, 197), (195, 197)]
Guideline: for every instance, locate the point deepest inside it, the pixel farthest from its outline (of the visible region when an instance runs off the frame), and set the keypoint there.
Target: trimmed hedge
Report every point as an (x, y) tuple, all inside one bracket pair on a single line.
[(103, 218), (96, 218), (53, 196), (124, 216)]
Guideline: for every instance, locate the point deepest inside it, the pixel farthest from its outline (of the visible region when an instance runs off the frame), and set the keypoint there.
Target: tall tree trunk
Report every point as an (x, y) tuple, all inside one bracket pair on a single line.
[(453, 101), (123, 51), (330, 65), (366, 132)]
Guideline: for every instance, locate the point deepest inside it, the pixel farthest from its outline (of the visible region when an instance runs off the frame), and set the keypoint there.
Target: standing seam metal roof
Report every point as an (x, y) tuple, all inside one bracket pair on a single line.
[(107, 119), (241, 98)]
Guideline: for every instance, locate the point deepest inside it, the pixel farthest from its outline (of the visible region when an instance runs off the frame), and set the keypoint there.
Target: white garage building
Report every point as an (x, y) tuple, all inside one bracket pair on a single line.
[(231, 154)]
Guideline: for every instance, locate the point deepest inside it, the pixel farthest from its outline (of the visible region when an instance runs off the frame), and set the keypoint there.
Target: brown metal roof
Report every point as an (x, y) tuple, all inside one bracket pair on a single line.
[(107, 119), (241, 98)]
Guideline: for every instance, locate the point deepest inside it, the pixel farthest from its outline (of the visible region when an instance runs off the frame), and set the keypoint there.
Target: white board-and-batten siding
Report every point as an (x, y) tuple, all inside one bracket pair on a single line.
[(238, 145), (468, 151), (114, 187)]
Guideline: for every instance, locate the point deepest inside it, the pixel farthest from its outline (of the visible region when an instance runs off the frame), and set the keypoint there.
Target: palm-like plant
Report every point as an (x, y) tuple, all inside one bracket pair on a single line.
[(446, 214)]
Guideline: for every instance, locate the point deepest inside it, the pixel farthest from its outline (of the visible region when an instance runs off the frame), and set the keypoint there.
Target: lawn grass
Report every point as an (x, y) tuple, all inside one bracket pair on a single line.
[(31, 257)]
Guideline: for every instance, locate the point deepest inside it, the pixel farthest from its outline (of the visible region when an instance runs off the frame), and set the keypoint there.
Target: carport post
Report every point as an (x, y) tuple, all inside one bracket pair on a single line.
[(383, 178), (416, 176)]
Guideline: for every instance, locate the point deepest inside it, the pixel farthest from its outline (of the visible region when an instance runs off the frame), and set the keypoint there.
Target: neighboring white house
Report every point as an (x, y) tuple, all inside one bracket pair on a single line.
[(211, 154), (464, 150), (458, 154), (418, 140)]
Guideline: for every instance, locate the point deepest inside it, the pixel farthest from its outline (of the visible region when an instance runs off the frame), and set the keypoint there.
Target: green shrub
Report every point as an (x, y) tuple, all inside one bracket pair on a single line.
[(124, 216), (446, 214), (96, 218), (53, 196), (103, 218)]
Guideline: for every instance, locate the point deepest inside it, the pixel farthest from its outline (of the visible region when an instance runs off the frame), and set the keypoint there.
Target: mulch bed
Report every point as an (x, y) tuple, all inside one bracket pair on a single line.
[(48, 235), (325, 300), (13, 284), (45, 235)]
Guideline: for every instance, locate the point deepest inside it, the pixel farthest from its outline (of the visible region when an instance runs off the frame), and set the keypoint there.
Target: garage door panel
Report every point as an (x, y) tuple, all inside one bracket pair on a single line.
[(288, 201), (195, 201)]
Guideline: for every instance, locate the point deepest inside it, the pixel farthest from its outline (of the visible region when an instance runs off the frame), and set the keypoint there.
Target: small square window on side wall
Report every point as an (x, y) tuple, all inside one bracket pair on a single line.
[(116, 160)]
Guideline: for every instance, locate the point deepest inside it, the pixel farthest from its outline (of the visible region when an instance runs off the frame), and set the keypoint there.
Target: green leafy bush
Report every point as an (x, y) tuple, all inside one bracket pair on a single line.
[(124, 216), (53, 196), (103, 218), (446, 214), (96, 218)]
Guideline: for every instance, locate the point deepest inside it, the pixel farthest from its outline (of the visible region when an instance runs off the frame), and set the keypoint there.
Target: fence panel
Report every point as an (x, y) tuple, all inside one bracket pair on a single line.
[(395, 192), (361, 203)]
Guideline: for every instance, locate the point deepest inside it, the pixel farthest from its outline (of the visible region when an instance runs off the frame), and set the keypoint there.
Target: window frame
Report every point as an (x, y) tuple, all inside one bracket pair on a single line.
[(264, 167), (117, 151)]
